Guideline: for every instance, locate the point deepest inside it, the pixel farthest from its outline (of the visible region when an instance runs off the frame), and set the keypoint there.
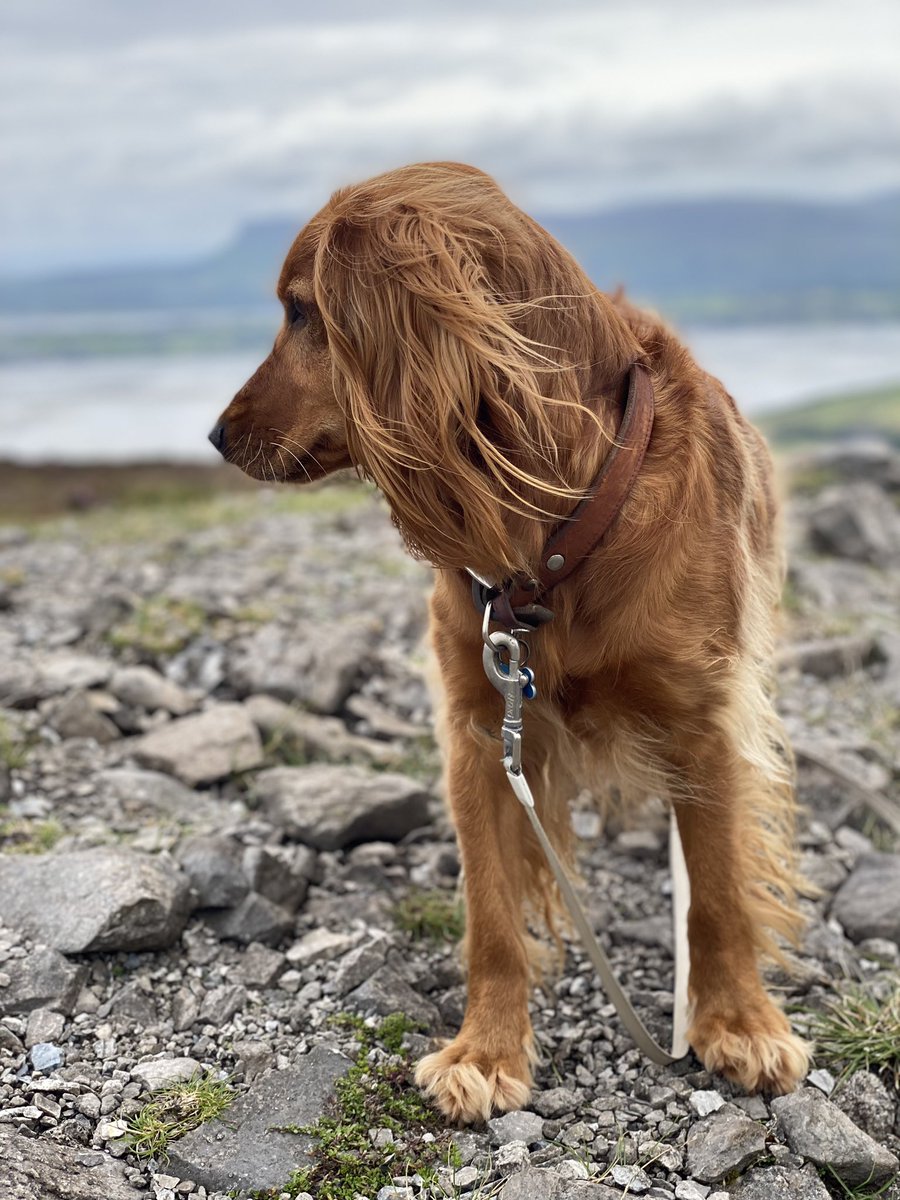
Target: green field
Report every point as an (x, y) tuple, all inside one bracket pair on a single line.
[(866, 414)]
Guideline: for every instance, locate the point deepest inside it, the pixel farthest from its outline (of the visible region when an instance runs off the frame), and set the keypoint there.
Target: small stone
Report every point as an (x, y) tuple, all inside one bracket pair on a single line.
[(722, 1143), (255, 919), (571, 1168), (222, 1003), (688, 1189), (821, 1079), (108, 1131), (76, 717), (259, 966), (332, 807), (555, 1102), (45, 1056), (817, 1129), (205, 747), (525, 1127), (281, 874), (779, 1183), (360, 964), (319, 945), (827, 658), (213, 865), (164, 1072), (868, 904), (632, 1178), (868, 1104), (638, 843), (381, 1138), (44, 1025), (44, 979), (512, 1156), (19, 1112), (387, 992), (89, 1105), (142, 687), (48, 1106), (704, 1103)]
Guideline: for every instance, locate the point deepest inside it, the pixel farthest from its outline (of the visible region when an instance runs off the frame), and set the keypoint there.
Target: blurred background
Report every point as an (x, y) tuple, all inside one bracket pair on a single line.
[(735, 166)]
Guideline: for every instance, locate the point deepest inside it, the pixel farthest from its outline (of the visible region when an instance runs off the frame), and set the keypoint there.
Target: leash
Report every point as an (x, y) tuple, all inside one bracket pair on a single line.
[(516, 684)]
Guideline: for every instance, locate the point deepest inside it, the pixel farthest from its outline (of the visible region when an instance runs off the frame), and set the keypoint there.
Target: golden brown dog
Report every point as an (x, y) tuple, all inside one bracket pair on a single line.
[(443, 344)]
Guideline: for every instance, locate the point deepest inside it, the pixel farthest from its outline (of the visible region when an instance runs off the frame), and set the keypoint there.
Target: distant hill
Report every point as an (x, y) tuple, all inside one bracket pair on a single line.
[(725, 260), (835, 418)]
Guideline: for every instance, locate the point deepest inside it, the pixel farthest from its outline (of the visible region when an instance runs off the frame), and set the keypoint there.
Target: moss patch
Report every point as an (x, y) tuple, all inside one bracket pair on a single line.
[(433, 916), (376, 1093)]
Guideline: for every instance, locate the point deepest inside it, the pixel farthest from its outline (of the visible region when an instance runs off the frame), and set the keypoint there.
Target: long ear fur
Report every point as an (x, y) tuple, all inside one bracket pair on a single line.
[(468, 353)]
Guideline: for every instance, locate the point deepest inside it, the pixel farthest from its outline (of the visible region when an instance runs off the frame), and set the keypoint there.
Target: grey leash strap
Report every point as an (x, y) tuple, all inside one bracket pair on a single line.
[(515, 683)]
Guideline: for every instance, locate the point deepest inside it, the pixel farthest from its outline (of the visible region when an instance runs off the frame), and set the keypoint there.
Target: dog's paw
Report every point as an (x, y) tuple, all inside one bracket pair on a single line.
[(467, 1087), (755, 1050)]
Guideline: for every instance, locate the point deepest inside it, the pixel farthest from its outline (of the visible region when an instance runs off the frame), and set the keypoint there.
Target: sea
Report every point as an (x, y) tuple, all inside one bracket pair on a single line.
[(123, 409)]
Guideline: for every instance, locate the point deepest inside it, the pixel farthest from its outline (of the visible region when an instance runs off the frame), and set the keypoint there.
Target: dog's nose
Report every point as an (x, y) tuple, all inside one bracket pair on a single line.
[(217, 437)]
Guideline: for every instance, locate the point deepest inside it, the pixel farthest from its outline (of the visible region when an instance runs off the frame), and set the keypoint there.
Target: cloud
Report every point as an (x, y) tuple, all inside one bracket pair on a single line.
[(137, 133)]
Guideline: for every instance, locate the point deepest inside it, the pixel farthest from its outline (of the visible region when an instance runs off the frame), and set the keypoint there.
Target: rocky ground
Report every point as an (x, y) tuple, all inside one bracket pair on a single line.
[(221, 835)]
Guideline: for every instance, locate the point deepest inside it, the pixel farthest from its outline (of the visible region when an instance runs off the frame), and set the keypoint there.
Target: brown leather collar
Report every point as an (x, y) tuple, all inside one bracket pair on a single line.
[(515, 604)]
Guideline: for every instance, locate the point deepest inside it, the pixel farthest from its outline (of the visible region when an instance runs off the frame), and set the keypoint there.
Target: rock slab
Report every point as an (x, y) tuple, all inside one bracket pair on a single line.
[(331, 807), (244, 1150), (38, 1169), (105, 898), (41, 980), (818, 1130), (724, 1142), (868, 904), (203, 748), (783, 1183)]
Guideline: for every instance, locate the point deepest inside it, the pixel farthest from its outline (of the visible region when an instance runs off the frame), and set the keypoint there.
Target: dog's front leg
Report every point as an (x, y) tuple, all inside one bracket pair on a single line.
[(488, 1065)]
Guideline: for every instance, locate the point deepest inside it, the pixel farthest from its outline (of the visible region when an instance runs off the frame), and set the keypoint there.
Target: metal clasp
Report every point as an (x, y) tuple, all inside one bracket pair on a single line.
[(515, 683)]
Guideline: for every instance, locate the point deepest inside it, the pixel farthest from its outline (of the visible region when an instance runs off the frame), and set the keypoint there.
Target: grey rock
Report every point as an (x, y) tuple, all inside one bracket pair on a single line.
[(779, 1183), (311, 736), (259, 966), (868, 904), (689, 1189), (44, 1025), (57, 898), (131, 1004), (868, 1104), (538, 1183), (631, 1178), (221, 1003), (255, 919), (318, 672), (821, 1079), (40, 1169), (703, 1103), (253, 1058), (331, 807), (280, 873), (244, 1149), (360, 964), (322, 945), (43, 979), (525, 1127), (724, 1142), (205, 747), (555, 1102), (66, 672), (387, 992), (77, 717), (163, 1072), (213, 865), (142, 687), (859, 522), (826, 658), (142, 793), (44, 1056), (817, 1129)]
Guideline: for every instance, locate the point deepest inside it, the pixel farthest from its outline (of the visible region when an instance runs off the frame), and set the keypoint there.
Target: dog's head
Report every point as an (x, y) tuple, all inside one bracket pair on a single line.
[(439, 341)]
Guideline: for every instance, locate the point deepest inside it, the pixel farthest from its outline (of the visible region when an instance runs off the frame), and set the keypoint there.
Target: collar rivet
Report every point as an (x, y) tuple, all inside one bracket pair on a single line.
[(555, 562)]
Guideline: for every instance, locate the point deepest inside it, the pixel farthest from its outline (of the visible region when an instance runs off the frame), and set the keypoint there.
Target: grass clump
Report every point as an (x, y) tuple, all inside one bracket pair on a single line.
[(174, 1111), (158, 627), (19, 836), (859, 1032), (13, 748), (432, 916), (376, 1093)]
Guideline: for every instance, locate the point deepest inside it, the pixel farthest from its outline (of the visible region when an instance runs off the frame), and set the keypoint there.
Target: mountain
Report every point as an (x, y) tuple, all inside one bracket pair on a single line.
[(731, 259)]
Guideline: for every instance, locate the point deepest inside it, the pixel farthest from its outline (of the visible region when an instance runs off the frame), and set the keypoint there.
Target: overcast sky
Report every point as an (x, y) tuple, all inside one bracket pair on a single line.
[(132, 132)]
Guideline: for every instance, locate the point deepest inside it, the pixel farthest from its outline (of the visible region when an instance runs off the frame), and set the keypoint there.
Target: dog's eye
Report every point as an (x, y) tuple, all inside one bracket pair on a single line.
[(296, 312)]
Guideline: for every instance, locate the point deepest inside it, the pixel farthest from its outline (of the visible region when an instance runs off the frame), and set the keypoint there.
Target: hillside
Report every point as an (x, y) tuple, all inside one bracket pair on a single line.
[(712, 260), (875, 413)]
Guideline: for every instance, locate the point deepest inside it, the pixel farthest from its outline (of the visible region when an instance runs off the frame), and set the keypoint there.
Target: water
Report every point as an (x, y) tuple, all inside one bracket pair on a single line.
[(125, 409)]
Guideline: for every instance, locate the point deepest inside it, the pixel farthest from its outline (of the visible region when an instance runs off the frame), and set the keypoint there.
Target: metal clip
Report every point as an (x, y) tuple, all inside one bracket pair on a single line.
[(515, 683)]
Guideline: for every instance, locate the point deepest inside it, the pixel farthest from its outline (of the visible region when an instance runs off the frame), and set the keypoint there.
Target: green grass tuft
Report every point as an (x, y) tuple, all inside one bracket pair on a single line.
[(376, 1093), (860, 1033), (21, 836), (432, 916), (174, 1111)]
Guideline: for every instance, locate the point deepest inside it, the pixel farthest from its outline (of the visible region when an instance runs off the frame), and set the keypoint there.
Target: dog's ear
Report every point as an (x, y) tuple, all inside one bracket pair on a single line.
[(447, 371)]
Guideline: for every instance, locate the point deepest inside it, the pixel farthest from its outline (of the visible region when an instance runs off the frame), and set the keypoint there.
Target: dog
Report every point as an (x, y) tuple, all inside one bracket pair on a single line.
[(440, 342)]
